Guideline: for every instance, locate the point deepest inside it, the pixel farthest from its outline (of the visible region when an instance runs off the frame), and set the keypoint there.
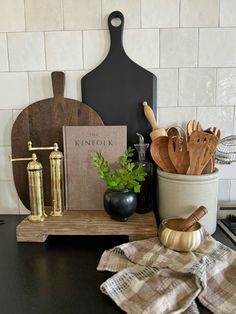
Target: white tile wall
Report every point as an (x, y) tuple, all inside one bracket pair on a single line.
[(199, 13), (64, 50), (82, 14), (178, 47), (12, 17), (26, 51), (3, 53), (43, 15), (217, 47), (189, 44), (14, 92), (227, 13), (142, 46), (160, 13), (129, 8), (226, 87), (197, 87)]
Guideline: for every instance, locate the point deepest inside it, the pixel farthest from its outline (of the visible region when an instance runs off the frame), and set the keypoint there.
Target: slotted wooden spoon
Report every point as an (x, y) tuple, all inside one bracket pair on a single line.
[(159, 153), (201, 147), (210, 166), (178, 153)]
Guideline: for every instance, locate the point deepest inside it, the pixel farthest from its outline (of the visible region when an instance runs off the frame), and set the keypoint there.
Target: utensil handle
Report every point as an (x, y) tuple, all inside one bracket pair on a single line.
[(149, 114), (58, 83), (193, 218), (116, 33)]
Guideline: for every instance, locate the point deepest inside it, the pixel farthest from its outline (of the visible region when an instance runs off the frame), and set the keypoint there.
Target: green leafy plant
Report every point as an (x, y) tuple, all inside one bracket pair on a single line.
[(126, 175)]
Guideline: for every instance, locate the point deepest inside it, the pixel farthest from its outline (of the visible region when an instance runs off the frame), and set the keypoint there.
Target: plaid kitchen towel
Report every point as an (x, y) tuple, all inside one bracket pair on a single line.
[(153, 279)]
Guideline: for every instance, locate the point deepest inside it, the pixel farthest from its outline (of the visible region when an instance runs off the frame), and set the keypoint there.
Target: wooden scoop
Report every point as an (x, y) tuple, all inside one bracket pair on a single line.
[(179, 156), (149, 114), (201, 147), (187, 223), (159, 153)]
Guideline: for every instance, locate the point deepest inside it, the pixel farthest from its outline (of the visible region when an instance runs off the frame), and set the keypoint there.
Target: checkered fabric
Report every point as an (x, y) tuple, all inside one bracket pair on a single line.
[(151, 278)]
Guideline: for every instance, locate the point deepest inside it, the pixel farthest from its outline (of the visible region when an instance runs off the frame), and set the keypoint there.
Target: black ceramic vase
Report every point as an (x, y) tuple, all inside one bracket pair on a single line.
[(120, 204)]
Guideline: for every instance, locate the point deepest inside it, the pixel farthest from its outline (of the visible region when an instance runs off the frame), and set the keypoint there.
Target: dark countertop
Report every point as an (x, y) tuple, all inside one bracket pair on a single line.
[(58, 276)]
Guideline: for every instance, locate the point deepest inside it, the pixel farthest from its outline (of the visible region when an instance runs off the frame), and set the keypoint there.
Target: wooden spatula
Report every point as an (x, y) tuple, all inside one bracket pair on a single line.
[(159, 153), (201, 147), (179, 156)]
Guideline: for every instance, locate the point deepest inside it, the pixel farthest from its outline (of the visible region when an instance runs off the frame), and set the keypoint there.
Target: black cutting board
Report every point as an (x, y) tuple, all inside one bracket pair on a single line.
[(118, 86)]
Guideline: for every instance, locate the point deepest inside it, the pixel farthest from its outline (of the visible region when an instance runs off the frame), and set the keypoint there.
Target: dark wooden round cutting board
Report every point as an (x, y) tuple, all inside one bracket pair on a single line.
[(41, 123), (118, 86)]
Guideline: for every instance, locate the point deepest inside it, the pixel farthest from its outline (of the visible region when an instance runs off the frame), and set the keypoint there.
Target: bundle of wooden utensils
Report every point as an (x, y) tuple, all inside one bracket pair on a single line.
[(190, 153)]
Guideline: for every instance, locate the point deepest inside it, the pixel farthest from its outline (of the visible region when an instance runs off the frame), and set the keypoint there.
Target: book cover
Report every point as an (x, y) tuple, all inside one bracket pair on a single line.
[(84, 188)]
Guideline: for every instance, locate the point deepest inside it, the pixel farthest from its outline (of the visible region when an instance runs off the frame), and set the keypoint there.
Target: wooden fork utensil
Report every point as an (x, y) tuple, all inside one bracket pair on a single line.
[(179, 156)]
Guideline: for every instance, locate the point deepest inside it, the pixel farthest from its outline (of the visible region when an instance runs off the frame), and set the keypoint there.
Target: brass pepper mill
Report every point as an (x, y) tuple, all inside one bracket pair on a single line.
[(35, 178), (57, 177)]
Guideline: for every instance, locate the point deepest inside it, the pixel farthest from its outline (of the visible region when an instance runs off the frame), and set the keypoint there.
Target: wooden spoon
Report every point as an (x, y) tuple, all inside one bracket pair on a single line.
[(173, 131), (149, 114), (201, 147), (179, 156), (159, 153)]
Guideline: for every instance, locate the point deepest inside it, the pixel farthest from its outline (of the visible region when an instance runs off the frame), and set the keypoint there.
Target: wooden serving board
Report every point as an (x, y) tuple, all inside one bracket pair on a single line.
[(82, 222), (41, 123), (118, 86)]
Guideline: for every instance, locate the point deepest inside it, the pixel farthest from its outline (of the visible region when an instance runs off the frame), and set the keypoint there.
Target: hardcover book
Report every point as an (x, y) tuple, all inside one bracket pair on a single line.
[(84, 188)]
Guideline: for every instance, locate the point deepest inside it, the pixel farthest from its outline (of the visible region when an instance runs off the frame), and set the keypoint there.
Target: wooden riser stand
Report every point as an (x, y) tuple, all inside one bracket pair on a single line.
[(82, 222)]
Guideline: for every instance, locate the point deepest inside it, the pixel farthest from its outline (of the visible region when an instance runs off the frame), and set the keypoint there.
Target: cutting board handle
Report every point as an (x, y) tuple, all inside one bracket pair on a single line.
[(58, 83), (116, 33)]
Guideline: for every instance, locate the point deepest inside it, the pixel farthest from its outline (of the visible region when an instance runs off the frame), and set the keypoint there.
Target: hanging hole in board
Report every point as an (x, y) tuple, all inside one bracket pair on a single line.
[(116, 21)]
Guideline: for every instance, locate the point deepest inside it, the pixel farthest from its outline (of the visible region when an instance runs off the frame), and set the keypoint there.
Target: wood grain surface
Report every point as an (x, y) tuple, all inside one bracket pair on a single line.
[(41, 122), (84, 222)]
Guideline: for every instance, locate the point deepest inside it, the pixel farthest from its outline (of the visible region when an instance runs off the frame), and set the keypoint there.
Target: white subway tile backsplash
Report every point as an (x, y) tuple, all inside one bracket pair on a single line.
[(5, 164), (167, 87), (220, 117), (12, 17), (160, 13), (14, 92), (197, 87), (227, 171), (142, 46), (224, 190), (23, 210), (64, 50), (15, 114), (40, 86), (217, 47), (82, 14), (43, 15), (95, 47), (178, 116), (5, 127), (233, 190), (226, 87), (199, 13), (178, 47), (3, 53), (129, 8), (26, 51), (73, 84), (227, 13), (8, 198)]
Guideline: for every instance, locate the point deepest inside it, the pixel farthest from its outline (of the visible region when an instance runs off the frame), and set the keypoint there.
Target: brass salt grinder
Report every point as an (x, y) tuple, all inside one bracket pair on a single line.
[(57, 178), (35, 178)]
